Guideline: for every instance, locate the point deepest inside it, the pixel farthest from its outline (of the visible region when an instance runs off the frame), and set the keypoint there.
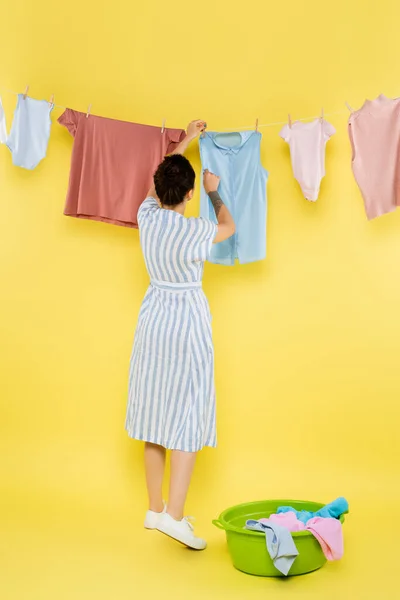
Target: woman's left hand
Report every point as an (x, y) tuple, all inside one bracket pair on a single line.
[(193, 131), (195, 128)]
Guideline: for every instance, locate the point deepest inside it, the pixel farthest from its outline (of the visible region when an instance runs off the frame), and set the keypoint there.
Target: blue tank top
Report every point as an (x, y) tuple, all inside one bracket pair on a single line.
[(235, 157)]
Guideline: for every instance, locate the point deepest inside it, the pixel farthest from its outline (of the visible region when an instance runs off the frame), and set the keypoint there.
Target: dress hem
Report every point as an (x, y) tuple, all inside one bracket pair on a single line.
[(168, 446)]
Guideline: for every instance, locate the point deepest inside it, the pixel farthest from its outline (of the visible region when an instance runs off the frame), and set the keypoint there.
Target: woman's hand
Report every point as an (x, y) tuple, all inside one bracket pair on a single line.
[(226, 225), (193, 131), (195, 128), (210, 182)]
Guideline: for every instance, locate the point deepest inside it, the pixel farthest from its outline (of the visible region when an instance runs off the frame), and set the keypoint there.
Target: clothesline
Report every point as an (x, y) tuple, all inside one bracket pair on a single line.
[(276, 123), (249, 127), (18, 93)]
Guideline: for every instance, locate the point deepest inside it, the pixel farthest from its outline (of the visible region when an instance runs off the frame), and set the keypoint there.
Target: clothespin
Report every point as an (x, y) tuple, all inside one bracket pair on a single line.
[(88, 111), (349, 107), (290, 121), (256, 125), (203, 131), (51, 101), (163, 126), (322, 115), (26, 92)]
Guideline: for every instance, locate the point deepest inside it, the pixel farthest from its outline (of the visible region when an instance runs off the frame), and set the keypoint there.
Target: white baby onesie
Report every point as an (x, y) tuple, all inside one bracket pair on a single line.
[(307, 142), (30, 131)]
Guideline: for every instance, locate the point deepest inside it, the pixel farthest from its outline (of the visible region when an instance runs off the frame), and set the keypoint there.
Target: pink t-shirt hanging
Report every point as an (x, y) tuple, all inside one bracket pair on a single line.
[(374, 132), (112, 166)]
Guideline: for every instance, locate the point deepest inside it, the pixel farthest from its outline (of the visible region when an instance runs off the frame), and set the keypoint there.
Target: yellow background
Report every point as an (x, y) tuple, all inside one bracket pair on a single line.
[(307, 342)]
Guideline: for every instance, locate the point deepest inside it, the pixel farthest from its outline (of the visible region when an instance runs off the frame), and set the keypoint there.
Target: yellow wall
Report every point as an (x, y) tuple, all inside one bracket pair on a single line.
[(307, 342)]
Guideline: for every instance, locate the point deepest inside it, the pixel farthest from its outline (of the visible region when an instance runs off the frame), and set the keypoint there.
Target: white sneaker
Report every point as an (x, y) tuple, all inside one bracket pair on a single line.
[(152, 518), (181, 531)]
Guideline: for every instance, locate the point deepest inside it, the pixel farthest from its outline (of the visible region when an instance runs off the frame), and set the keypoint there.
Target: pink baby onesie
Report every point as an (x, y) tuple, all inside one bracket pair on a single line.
[(307, 142), (374, 132), (329, 534), (327, 531)]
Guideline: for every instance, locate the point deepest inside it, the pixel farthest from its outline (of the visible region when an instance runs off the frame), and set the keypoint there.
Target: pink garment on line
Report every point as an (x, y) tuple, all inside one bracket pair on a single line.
[(327, 531), (307, 142), (112, 166), (374, 132)]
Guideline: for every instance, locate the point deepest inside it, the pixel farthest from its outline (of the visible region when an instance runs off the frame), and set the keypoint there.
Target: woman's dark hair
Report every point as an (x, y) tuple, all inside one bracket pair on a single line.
[(173, 179)]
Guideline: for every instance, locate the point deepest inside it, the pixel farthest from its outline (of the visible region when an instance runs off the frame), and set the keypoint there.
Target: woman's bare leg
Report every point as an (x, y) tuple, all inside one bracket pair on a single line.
[(154, 460), (182, 464)]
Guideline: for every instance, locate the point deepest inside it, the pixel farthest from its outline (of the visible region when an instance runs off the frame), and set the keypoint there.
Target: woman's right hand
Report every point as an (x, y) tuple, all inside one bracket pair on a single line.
[(210, 181)]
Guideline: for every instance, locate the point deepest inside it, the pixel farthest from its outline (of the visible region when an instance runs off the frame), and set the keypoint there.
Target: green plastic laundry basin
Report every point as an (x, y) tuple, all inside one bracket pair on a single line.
[(248, 549)]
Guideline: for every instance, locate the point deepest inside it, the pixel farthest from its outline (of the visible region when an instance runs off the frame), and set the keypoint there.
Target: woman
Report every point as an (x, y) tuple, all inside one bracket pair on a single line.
[(171, 385)]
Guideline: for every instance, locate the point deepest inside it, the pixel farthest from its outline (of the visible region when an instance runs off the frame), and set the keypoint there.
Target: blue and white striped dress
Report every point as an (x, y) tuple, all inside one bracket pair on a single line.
[(171, 381)]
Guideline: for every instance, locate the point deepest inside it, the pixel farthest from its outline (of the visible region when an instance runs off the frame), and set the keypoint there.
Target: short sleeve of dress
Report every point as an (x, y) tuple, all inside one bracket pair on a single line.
[(69, 119), (148, 207), (329, 130), (285, 133), (205, 232)]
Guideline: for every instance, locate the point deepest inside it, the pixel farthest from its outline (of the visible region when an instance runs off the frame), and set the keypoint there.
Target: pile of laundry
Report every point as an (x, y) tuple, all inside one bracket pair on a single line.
[(323, 524)]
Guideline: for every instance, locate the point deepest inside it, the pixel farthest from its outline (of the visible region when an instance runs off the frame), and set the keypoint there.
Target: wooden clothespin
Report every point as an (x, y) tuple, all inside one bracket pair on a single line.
[(51, 101), (163, 126), (88, 111), (26, 92), (256, 125), (322, 115), (290, 121), (203, 131), (349, 107)]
